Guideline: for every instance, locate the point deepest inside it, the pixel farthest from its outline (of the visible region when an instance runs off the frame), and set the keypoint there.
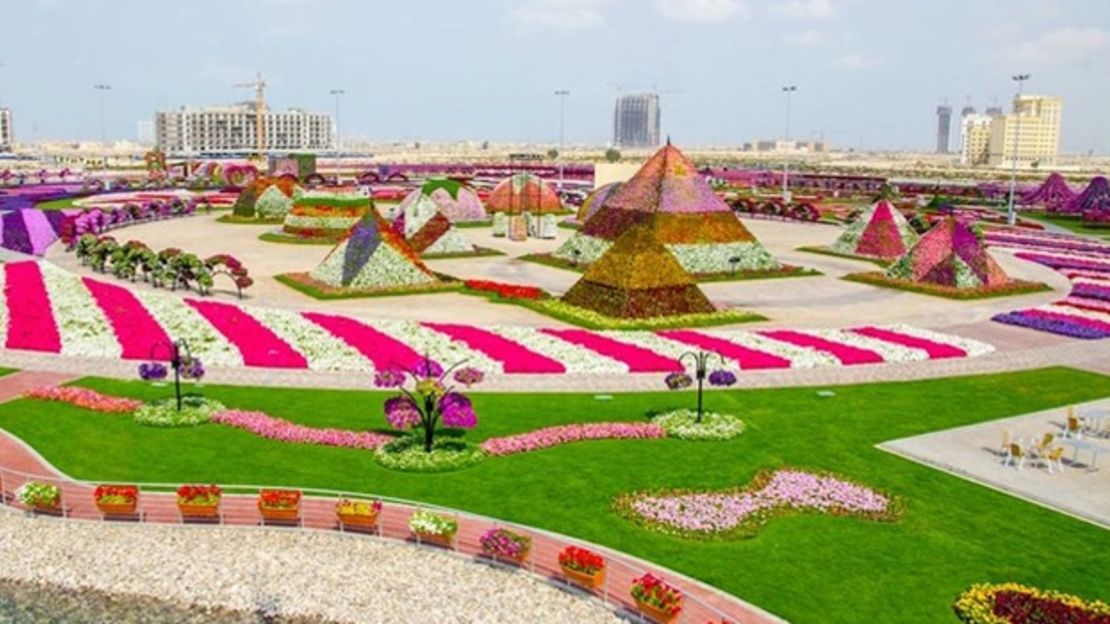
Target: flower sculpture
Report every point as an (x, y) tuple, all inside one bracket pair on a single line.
[(428, 401), (182, 361), (720, 378)]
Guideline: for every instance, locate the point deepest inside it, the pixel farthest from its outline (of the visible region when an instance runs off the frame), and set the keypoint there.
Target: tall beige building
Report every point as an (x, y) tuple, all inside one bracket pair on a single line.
[(1030, 134), (232, 129), (975, 139)]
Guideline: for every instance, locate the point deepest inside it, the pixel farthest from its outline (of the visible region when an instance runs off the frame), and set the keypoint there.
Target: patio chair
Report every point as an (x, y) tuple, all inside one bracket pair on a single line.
[(1016, 456), (1054, 455), (1074, 428), (1004, 448), (1045, 445)]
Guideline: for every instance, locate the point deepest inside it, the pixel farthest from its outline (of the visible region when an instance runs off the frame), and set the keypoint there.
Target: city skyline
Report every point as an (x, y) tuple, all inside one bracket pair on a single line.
[(487, 71)]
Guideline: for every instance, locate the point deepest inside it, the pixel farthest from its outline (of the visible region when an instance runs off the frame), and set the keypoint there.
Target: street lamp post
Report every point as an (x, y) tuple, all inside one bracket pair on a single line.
[(562, 95), (788, 90), (336, 93), (1011, 216), (103, 89)]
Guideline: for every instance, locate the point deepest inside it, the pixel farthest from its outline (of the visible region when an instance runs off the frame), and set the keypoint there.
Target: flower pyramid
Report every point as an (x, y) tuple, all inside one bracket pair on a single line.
[(457, 201), (950, 254), (1054, 194), (524, 192), (427, 231), (595, 201), (880, 232), (1094, 198), (273, 203), (675, 203), (372, 257), (247, 203), (637, 277)]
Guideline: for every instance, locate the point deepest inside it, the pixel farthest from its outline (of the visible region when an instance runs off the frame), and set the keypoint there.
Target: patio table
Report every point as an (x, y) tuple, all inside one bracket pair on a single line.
[(1095, 450)]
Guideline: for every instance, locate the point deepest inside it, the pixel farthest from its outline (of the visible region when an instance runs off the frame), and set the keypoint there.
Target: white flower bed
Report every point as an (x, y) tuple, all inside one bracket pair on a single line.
[(799, 357), (179, 320), (889, 351), (974, 348), (682, 424), (575, 358), (714, 258), (322, 350), (386, 268), (437, 346), (82, 327), (294, 222)]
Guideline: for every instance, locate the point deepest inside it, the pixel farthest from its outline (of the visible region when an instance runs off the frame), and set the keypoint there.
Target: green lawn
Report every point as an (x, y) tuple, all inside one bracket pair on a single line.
[(1072, 224), (57, 204), (805, 568)]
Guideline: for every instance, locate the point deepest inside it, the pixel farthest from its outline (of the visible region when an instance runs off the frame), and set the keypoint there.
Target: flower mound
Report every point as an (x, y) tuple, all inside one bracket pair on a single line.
[(85, 398), (407, 455), (733, 514), (682, 424), (267, 426), (563, 434), (195, 410), (1011, 603)]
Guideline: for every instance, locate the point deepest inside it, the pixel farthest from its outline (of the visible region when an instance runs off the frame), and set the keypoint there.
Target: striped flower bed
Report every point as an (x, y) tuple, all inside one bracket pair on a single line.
[(1085, 312), (46, 309)]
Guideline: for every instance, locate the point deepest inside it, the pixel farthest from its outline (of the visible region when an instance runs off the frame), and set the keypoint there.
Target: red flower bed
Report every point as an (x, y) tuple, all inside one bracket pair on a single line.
[(1021, 608), (506, 291)]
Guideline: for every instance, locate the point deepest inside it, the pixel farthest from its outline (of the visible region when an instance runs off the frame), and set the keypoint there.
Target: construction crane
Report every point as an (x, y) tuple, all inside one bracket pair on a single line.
[(259, 86)]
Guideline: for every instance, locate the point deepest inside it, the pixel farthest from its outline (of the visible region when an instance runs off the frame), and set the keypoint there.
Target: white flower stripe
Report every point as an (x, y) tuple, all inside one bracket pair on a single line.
[(889, 351), (82, 327), (179, 320), (799, 356), (437, 346), (575, 358), (322, 350), (973, 348)]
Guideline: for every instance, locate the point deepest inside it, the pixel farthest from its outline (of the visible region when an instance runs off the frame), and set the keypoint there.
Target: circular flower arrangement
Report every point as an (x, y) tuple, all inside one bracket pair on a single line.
[(407, 454), (195, 410), (683, 424)]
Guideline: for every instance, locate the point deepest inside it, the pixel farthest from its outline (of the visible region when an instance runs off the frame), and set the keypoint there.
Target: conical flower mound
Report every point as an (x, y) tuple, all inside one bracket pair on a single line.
[(372, 257), (1054, 194), (1094, 198), (950, 254), (669, 197), (880, 232), (524, 192), (456, 201), (427, 231), (638, 278)]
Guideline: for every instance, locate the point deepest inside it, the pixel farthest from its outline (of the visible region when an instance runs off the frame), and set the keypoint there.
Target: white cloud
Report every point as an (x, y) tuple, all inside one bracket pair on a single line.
[(858, 60), (702, 11), (804, 9), (807, 38), (557, 14), (1063, 45)]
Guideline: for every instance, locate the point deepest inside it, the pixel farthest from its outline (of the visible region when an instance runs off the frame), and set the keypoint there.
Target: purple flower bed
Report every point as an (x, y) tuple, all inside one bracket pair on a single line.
[(1057, 262), (1056, 324), (1062, 244), (1091, 291)]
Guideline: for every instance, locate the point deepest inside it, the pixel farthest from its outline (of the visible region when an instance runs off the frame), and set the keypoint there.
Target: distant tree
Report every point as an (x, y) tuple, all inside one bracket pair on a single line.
[(552, 154), (485, 145), (612, 155)]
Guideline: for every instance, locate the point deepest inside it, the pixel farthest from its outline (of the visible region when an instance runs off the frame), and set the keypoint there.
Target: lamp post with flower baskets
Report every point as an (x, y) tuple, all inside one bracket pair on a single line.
[(182, 361), (719, 377), (430, 400)]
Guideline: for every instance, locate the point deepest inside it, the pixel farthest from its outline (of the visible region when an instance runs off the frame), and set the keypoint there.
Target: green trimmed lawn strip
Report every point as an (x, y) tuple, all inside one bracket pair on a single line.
[(878, 278), (825, 251), (547, 259), (1072, 224), (805, 568), (292, 239), (291, 280)]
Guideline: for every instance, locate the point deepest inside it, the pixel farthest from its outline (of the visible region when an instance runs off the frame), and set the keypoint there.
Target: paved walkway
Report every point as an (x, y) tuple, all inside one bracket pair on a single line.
[(1081, 488), (20, 463)]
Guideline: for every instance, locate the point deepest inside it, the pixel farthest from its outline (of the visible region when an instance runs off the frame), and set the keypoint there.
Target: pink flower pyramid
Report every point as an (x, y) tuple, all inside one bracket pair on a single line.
[(880, 232), (1054, 194), (950, 254), (1094, 198)]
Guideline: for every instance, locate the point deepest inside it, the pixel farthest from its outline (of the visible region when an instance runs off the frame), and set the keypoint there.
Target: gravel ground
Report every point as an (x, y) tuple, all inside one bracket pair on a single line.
[(345, 579)]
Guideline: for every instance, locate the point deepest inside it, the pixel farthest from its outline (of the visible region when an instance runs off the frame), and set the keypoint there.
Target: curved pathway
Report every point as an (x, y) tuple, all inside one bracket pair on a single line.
[(20, 463)]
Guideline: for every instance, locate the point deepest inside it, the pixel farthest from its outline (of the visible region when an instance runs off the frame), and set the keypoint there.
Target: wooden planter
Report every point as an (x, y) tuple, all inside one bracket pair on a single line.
[(656, 614), (519, 560), (44, 508), (442, 540), (581, 579), (361, 521), (189, 510), (282, 514), (117, 509)]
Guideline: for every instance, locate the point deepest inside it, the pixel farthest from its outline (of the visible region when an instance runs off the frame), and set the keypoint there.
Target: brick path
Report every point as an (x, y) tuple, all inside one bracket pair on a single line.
[(19, 463)]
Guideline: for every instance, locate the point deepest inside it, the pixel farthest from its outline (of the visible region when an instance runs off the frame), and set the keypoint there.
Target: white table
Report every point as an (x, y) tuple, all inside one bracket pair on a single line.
[(1095, 450)]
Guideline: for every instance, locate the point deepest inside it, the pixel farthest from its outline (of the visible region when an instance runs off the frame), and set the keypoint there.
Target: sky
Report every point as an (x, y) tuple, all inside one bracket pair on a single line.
[(869, 73)]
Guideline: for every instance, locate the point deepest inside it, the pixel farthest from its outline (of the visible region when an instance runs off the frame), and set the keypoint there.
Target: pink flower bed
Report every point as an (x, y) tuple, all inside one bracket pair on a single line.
[(845, 353), (935, 350), (514, 357), (383, 351), (256, 342), (135, 328), (707, 513), (563, 434), (638, 359), (749, 359), (267, 426), (31, 323), (83, 397)]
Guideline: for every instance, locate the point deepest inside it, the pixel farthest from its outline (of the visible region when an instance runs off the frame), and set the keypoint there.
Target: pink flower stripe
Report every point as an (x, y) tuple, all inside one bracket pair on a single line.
[(267, 426), (39, 230), (1103, 276), (258, 345), (384, 351), (83, 397), (748, 358), (638, 359), (1084, 303), (847, 355), (513, 357), (31, 323), (935, 350), (563, 434), (1063, 316), (135, 328)]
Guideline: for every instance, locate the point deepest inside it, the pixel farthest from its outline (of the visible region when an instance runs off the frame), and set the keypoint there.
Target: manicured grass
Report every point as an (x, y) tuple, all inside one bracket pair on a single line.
[(237, 220), (292, 239), (58, 204), (473, 224), (1072, 224), (1014, 287), (806, 568), (303, 283), (787, 270), (825, 251), (479, 252)]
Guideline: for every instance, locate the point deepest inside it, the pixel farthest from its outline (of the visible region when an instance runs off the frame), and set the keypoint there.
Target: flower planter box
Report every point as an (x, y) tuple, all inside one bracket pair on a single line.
[(442, 540), (361, 521), (53, 508), (280, 514), (519, 559), (117, 509), (189, 510), (655, 613), (581, 579)]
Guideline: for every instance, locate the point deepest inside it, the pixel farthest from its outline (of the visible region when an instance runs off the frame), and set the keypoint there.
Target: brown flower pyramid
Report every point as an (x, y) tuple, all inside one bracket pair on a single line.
[(670, 198), (638, 278)]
